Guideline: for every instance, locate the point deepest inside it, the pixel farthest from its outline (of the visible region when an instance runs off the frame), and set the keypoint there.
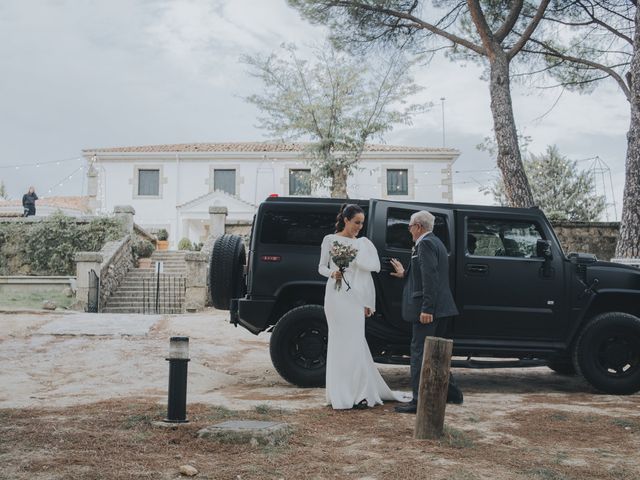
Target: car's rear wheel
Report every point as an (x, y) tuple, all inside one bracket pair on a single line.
[(298, 346), (607, 353), (226, 271)]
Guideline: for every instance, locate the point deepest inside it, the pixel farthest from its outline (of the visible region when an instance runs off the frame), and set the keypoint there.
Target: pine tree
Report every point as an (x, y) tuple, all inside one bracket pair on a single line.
[(559, 188)]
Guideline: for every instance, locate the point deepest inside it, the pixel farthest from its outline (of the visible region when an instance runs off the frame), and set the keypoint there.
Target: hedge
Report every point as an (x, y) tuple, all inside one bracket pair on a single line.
[(47, 247)]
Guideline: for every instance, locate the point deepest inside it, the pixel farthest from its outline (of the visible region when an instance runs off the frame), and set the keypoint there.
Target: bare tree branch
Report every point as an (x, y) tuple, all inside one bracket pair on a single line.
[(509, 22), (529, 30), (419, 23), (550, 51)]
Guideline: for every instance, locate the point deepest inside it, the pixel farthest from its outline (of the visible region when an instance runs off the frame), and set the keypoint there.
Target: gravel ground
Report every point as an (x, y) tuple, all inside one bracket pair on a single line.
[(79, 393)]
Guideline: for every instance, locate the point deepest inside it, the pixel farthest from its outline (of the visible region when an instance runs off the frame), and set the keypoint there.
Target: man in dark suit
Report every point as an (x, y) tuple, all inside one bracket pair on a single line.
[(427, 302)]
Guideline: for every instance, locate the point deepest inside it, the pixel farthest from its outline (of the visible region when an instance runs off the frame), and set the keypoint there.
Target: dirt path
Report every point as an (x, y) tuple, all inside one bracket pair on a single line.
[(78, 397)]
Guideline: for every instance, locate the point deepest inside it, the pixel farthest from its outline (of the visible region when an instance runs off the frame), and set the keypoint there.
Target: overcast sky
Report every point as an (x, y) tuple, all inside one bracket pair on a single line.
[(94, 73)]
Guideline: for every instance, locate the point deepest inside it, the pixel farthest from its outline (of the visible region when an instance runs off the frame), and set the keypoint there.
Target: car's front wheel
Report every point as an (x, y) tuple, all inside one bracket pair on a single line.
[(607, 353), (298, 346)]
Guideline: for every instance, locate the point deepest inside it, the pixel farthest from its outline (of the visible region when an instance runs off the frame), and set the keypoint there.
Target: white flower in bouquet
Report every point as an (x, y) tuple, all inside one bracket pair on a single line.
[(342, 255)]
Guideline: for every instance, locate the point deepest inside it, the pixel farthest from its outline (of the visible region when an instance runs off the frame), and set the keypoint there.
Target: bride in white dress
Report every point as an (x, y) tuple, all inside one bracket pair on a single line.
[(353, 381)]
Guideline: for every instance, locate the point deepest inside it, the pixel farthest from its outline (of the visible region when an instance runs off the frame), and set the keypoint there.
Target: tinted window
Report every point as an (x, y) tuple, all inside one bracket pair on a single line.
[(502, 238), (398, 235), (298, 228)]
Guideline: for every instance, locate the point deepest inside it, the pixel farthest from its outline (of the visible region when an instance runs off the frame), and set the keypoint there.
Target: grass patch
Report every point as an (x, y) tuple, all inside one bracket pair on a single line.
[(560, 457), (140, 420), (546, 474), (462, 475), (34, 300), (217, 412), (456, 438), (473, 418), (623, 422), (266, 409)]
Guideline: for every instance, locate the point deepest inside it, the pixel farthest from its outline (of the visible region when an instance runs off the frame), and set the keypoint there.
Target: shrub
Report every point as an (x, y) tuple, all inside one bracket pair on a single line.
[(162, 234), (185, 244), (142, 248), (48, 247)]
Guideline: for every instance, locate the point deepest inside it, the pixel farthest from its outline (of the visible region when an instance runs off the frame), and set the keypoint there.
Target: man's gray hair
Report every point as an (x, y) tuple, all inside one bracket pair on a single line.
[(424, 219)]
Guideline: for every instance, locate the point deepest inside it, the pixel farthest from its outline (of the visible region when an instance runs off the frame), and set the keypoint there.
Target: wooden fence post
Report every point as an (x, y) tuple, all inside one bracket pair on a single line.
[(434, 382)]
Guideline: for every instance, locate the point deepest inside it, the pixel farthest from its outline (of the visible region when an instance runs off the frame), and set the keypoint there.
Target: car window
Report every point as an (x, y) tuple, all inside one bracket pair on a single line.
[(298, 227), (397, 234), (502, 238)]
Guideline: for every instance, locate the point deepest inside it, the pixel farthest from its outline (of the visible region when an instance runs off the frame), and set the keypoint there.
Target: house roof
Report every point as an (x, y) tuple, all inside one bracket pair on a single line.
[(216, 195), (78, 203), (251, 147)]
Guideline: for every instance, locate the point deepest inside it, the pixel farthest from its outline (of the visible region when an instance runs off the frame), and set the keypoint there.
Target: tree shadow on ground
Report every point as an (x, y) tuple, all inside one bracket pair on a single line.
[(501, 380)]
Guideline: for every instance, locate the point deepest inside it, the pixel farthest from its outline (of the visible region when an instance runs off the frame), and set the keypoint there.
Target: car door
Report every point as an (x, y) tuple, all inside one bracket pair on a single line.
[(389, 227), (505, 290)]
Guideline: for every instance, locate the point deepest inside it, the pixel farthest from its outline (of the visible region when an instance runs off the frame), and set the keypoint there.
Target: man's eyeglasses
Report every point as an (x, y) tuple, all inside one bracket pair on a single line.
[(412, 225)]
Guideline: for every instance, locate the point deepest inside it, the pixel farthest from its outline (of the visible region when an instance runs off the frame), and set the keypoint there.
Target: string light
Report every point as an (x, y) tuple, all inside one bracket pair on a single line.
[(37, 164), (60, 183)]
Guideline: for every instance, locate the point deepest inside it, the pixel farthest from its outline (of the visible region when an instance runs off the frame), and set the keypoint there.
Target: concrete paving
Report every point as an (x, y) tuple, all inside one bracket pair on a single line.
[(70, 358), (99, 324)]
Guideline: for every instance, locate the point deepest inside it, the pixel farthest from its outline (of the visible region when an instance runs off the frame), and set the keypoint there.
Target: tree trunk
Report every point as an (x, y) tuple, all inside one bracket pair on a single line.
[(510, 164), (629, 240), (339, 183)]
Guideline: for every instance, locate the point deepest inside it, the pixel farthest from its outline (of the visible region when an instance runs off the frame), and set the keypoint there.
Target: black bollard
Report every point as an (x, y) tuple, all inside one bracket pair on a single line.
[(178, 361)]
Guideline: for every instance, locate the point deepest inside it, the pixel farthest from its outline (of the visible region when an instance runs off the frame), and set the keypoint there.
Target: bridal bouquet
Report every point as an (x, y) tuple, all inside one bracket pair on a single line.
[(342, 256)]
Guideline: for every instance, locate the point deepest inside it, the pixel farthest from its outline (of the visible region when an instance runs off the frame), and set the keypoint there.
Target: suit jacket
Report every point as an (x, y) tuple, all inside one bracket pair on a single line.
[(426, 288)]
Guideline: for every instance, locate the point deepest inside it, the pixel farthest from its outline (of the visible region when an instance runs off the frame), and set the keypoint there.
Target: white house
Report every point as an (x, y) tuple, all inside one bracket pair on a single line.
[(173, 186)]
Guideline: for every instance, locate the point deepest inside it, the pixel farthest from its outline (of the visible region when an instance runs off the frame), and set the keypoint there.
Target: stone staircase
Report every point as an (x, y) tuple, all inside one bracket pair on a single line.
[(130, 295)]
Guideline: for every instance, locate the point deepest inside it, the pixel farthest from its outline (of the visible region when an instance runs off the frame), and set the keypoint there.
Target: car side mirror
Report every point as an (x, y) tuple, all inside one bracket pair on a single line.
[(543, 249)]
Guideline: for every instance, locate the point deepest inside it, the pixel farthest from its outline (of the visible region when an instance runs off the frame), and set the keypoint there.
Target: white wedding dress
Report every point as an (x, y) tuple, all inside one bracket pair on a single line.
[(351, 374)]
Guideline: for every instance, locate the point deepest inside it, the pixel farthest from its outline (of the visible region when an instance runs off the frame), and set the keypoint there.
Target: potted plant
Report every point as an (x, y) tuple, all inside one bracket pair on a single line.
[(163, 237), (185, 244), (142, 250)]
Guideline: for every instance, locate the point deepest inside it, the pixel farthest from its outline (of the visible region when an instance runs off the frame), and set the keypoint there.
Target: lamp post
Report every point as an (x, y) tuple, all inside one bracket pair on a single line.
[(442, 103), (178, 360)]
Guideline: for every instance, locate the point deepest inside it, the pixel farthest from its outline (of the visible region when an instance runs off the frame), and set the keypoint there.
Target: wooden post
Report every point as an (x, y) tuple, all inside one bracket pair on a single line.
[(434, 382)]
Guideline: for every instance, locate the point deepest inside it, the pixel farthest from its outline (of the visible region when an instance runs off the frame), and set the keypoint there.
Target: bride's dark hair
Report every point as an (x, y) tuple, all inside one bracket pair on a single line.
[(348, 211)]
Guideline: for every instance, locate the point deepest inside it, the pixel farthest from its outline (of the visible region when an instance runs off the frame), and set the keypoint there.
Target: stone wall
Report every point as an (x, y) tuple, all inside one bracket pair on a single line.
[(598, 238), (117, 261)]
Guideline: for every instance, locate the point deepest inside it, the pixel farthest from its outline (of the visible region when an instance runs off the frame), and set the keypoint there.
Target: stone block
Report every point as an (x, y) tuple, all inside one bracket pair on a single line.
[(195, 298), (95, 257), (124, 209), (252, 432), (222, 210)]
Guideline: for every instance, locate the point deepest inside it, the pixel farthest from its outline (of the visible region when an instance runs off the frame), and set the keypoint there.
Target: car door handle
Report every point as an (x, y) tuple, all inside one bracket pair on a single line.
[(477, 268)]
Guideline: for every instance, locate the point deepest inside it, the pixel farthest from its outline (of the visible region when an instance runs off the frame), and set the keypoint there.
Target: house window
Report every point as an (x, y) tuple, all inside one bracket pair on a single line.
[(225, 180), (397, 182), (149, 182), (300, 182)]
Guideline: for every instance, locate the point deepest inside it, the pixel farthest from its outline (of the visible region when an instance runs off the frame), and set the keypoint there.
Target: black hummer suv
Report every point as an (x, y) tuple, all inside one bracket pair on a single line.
[(519, 296)]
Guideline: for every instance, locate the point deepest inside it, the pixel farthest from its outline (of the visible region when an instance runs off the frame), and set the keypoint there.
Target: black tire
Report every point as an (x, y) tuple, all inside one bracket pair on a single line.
[(562, 366), (607, 353), (298, 346), (226, 271)]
